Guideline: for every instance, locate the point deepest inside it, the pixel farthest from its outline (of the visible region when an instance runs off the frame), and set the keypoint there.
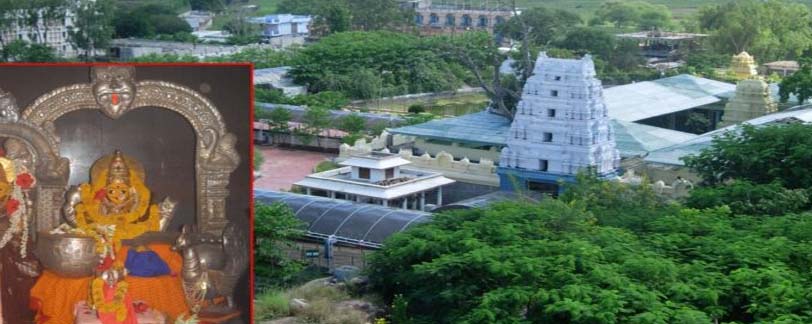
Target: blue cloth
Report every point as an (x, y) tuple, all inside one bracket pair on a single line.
[(145, 264)]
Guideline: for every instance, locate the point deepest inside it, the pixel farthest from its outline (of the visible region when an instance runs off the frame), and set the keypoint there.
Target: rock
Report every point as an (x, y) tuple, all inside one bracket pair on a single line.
[(298, 305), (346, 273), (359, 305)]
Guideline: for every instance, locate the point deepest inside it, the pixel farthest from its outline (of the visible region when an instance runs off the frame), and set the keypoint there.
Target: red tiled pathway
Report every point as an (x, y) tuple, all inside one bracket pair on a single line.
[(283, 167)]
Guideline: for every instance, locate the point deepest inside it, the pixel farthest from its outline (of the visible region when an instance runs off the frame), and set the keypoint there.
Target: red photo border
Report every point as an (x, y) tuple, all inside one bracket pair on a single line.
[(250, 161)]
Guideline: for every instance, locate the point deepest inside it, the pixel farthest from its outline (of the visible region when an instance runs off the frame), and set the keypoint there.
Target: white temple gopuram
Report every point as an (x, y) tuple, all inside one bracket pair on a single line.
[(560, 127)]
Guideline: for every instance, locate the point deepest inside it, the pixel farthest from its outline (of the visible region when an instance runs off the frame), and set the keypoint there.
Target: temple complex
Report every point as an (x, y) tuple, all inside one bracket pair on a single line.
[(743, 66), (752, 99), (561, 127)]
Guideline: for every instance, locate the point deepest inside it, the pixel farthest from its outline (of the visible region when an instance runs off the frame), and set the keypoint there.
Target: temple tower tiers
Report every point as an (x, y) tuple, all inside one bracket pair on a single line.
[(561, 126), (752, 99), (743, 66)]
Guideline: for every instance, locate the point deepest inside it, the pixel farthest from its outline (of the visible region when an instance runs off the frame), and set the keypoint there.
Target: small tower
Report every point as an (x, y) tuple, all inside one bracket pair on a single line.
[(560, 127), (752, 99), (743, 66)]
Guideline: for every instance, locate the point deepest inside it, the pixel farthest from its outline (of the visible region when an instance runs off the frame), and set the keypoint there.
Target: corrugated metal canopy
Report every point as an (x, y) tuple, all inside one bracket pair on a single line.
[(348, 221), (633, 139), (671, 155), (482, 128), (641, 100)]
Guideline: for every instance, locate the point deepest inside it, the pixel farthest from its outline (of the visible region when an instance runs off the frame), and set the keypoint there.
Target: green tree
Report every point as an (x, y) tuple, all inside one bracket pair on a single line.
[(640, 14), (769, 30), (280, 118), (93, 26), (207, 5), (275, 228), (546, 24), (763, 155), (799, 84), (22, 51), (316, 120), (352, 123), (747, 198)]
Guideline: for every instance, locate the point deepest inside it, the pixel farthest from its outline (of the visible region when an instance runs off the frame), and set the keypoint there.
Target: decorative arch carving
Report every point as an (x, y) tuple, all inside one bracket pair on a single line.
[(52, 171), (113, 91)]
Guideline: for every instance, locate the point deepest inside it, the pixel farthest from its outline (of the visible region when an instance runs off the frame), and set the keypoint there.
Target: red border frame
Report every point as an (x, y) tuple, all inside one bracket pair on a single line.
[(250, 161)]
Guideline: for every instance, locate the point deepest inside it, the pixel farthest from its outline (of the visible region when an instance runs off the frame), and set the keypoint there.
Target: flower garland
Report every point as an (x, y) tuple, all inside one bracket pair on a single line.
[(17, 207), (116, 305)]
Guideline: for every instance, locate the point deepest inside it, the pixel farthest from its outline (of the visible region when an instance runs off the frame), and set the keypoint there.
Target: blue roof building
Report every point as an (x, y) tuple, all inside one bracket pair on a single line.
[(280, 25)]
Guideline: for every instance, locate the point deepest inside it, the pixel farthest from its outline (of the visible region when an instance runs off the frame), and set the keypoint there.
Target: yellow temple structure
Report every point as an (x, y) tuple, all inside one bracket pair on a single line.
[(752, 99), (743, 66)]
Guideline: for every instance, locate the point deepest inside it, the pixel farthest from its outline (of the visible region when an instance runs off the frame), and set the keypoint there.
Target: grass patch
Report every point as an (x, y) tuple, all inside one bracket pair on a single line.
[(326, 166), (272, 304)]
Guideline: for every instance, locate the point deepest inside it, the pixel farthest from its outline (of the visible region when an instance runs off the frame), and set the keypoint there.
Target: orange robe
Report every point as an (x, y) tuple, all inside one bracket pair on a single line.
[(55, 297)]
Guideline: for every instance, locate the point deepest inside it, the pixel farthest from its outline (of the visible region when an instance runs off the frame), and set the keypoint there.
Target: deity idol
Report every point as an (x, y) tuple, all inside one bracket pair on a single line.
[(118, 197)]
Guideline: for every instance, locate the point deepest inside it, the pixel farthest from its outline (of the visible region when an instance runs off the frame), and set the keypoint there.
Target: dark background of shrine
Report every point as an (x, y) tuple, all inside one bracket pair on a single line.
[(162, 140)]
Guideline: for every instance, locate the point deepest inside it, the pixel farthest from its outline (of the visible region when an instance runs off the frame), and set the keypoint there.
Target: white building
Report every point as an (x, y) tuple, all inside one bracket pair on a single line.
[(283, 25), (561, 127), (52, 33), (378, 178)]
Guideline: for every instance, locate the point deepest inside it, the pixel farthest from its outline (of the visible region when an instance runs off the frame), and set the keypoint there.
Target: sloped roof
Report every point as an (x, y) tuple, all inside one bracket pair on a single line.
[(635, 139), (482, 127), (671, 155), (349, 222), (641, 100)]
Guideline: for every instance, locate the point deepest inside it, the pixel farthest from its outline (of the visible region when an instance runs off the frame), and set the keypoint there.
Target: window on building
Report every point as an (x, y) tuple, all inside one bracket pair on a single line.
[(543, 165), (551, 113), (450, 20), (390, 173), (434, 19), (483, 21), (558, 78), (554, 93), (363, 173), (548, 137)]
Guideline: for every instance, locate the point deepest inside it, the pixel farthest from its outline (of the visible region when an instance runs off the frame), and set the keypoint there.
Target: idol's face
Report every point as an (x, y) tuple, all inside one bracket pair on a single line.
[(117, 193), (114, 88)]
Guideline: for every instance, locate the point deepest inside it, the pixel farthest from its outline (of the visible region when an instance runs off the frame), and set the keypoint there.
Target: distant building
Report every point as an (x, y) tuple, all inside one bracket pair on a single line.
[(283, 25), (277, 78), (782, 68), (198, 20), (212, 36), (378, 178), (561, 127), (444, 17), (660, 46), (129, 48), (53, 33)]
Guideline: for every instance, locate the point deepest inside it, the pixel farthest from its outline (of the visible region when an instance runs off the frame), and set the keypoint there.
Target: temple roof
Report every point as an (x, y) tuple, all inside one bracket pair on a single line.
[(671, 155), (482, 128), (641, 100), (633, 139)]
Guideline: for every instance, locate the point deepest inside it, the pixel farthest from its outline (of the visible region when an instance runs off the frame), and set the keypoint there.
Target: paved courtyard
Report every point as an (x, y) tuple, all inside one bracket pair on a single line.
[(284, 167)]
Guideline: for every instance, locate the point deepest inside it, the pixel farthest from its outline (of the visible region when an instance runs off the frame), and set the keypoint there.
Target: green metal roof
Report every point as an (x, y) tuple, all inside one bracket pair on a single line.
[(486, 128), (482, 128)]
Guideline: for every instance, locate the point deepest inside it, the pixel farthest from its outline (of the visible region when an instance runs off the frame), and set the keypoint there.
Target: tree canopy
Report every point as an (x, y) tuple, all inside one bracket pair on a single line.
[(769, 30)]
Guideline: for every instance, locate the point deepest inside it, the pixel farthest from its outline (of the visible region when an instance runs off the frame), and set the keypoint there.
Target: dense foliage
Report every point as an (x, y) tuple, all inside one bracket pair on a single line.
[(551, 262), (367, 65), (148, 20), (275, 227), (640, 14), (607, 252), (770, 30), (799, 84), (761, 155), (344, 15)]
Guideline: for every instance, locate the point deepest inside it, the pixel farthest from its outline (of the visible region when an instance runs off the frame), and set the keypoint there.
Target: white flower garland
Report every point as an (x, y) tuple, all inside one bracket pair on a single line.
[(18, 222)]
